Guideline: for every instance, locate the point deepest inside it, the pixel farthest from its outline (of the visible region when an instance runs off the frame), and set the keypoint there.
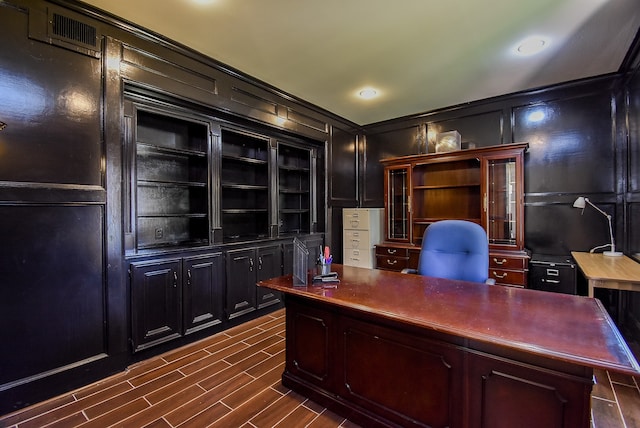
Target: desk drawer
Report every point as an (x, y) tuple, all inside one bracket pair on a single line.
[(515, 278), (382, 250), (500, 261), (391, 263)]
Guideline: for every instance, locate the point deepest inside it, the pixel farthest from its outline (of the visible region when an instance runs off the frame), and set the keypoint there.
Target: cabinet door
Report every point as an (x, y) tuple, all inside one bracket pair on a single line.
[(396, 196), (503, 201), (269, 266), (203, 291), (155, 302), (241, 282)]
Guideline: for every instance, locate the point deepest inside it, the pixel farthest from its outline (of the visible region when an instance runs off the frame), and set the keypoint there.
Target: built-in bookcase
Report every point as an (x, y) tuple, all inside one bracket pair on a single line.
[(245, 186), (195, 181), (294, 189), (170, 180)]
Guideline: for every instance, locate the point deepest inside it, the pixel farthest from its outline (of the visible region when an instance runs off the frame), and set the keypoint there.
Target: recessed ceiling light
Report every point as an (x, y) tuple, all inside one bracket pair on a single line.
[(531, 45), (368, 93)]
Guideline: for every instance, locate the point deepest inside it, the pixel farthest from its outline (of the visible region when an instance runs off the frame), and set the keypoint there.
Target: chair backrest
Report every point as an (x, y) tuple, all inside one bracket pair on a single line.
[(455, 249)]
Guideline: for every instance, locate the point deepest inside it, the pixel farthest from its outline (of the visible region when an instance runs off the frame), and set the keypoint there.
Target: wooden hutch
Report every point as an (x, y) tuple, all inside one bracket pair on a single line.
[(484, 185)]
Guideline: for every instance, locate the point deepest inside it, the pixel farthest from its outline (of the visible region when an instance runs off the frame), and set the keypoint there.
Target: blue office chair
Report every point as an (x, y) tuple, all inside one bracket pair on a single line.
[(455, 249)]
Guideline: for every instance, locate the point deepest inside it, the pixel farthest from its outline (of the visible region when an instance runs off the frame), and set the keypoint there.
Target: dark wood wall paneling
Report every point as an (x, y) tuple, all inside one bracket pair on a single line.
[(64, 290), (573, 151), (632, 213), (52, 204), (585, 142)]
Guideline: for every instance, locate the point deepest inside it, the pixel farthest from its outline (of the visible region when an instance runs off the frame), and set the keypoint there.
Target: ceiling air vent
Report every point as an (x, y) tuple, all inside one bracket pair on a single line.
[(69, 28)]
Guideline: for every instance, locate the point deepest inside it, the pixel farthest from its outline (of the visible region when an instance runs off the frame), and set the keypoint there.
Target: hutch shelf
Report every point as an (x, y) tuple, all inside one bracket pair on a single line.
[(484, 185)]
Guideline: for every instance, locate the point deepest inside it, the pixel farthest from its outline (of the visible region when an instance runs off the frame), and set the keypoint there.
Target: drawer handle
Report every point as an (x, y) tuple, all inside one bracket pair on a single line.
[(504, 275), (391, 262), (391, 251), (354, 223), (552, 281), (499, 262), (553, 272)]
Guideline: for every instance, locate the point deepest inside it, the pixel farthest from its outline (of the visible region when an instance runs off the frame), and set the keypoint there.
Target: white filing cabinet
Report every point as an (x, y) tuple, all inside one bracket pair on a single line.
[(362, 229)]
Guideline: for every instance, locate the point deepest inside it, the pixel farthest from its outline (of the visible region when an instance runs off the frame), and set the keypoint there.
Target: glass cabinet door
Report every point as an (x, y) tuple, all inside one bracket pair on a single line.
[(502, 201), (397, 202)]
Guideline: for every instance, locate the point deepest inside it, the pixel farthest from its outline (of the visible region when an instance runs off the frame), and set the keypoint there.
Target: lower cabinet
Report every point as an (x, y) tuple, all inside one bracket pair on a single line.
[(174, 297), (245, 267)]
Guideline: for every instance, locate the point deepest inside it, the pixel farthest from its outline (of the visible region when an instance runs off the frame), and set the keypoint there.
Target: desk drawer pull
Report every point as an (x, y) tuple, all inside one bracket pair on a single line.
[(551, 281), (391, 250), (499, 262), (391, 262), (504, 275)]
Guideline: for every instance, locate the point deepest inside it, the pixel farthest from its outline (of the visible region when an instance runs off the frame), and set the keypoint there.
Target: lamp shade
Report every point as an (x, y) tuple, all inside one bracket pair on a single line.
[(579, 203)]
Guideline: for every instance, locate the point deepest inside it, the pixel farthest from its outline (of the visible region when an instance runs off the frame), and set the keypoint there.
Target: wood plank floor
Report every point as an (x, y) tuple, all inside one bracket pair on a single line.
[(232, 379)]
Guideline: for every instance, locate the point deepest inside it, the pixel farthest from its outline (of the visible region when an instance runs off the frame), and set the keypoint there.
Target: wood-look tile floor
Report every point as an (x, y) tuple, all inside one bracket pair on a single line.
[(232, 379)]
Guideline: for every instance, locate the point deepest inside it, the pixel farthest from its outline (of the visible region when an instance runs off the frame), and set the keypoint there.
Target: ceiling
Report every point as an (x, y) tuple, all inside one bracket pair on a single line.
[(420, 55)]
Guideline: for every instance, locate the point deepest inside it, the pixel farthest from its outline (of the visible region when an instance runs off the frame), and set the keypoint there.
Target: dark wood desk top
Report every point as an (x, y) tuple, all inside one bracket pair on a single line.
[(573, 329)]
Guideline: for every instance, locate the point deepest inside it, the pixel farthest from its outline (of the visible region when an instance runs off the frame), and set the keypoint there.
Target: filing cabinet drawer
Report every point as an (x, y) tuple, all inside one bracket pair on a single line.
[(357, 218), (356, 239), (359, 258)]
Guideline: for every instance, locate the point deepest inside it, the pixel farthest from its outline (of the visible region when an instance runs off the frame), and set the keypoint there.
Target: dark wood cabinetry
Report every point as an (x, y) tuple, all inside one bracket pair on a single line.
[(247, 266), (294, 189), (196, 183), (156, 292), (244, 181), (168, 165), (203, 291), (484, 186), (174, 297)]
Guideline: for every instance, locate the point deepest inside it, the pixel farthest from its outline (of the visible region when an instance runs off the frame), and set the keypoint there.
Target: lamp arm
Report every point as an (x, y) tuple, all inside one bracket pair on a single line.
[(601, 212), (608, 216)]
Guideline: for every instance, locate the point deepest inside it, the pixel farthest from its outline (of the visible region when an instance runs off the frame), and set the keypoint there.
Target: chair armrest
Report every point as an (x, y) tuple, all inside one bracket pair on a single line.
[(407, 270), (490, 281)]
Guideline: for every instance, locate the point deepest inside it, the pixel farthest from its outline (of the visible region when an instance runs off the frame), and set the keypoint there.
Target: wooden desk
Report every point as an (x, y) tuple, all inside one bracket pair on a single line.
[(618, 273), (387, 349)]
